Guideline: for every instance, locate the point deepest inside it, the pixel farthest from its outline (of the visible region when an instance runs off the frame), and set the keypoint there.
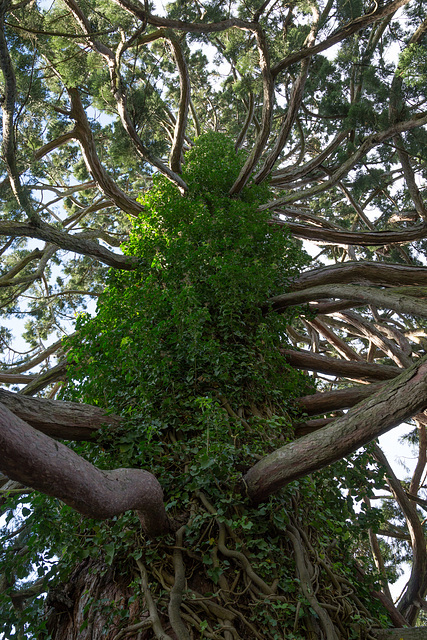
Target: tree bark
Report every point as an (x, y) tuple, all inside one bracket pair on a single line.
[(334, 366), (58, 419), (31, 457), (396, 402), (419, 633)]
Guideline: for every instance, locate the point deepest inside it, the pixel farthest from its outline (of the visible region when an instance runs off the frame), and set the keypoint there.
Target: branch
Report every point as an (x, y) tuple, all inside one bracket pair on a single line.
[(352, 27), (59, 419), (117, 90), (343, 368), (31, 457), (66, 241), (8, 107), (267, 113), (416, 586), (364, 295), (293, 107), (363, 238), (320, 403), (184, 102), (362, 273), (83, 133), (398, 401), (369, 143)]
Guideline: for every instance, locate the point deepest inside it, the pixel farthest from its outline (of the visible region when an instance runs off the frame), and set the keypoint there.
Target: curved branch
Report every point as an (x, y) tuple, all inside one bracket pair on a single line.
[(117, 89), (362, 273), (184, 102), (398, 401), (31, 457), (83, 133), (249, 116), (293, 107), (364, 295), (267, 114), (369, 143), (362, 22), (416, 586), (8, 107)]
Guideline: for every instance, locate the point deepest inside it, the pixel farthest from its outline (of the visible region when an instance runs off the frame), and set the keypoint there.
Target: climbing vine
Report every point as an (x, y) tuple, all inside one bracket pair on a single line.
[(185, 349)]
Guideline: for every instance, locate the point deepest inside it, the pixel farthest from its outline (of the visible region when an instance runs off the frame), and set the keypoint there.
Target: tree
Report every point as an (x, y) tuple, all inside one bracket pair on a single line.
[(169, 167)]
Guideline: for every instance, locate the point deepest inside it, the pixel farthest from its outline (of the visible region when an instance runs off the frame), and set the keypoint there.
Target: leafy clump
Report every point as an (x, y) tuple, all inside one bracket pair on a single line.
[(189, 322)]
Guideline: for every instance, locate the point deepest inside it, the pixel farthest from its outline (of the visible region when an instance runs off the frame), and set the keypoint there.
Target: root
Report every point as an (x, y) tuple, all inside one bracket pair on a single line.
[(177, 590), (306, 583), (156, 624)]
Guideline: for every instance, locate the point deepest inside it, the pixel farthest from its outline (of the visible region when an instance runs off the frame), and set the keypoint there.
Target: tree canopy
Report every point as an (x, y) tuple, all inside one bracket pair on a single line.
[(192, 394)]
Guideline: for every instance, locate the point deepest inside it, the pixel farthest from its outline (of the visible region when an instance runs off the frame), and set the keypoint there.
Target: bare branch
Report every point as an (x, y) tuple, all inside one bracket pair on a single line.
[(31, 457), (380, 11), (396, 402), (364, 371), (364, 295)]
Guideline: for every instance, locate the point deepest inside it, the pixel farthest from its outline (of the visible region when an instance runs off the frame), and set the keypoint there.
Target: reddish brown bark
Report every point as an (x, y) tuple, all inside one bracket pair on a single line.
[(354, 370), (31, 457), (319, 403), (398, 401), (68, 420)]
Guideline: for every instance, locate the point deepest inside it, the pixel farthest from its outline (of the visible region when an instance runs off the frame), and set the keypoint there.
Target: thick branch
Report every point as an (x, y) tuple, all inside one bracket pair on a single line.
[(364, 295), (83, 133), (319, 403), (184, 102), (396, 402), (362, 273), (59, 419), (30, 457), (344, 238), (343, 368)]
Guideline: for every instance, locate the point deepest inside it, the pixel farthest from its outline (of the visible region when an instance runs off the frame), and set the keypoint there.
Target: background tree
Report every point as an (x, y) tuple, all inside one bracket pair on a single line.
[(183, 401)]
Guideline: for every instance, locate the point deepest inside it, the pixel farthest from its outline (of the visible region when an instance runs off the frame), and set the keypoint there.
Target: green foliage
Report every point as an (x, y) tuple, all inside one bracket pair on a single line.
[(186, 350), (190, 322)]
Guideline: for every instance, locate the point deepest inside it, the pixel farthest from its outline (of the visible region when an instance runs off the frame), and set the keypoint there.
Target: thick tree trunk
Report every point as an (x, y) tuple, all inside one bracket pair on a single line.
[(78, 608)]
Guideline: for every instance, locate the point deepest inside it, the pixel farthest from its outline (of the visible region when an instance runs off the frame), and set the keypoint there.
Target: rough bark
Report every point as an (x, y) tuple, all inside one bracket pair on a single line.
[(31, 457), (354, 370), (365, 295), (398, 401), (320, 403), (66, 241), (58, 419), (419, 633), (361, 238), (362, 273)]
